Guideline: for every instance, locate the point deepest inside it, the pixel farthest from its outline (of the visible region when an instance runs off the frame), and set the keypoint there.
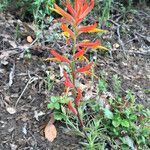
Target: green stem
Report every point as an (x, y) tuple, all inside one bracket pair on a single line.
[(74, 61), (74, 91)]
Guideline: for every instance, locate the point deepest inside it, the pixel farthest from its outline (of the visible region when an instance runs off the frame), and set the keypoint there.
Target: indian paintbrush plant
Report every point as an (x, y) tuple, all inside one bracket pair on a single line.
[(71, 24)]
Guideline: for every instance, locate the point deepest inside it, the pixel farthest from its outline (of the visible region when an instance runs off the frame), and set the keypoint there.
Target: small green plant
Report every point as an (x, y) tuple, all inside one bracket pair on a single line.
[(116, 85), (120, 123), (125, 120), (4, 5), (102, 84), (35, 8), (106, 10), (27, 55), (94, 132), (49, 81), (56, 104)]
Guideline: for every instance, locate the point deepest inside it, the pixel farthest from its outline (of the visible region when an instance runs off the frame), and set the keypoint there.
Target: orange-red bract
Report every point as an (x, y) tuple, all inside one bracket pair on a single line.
[(67, 81), (85, 68), (79, 54), (77, 13), (78, 98), (72, 109), (59, 57), (83, 7), (70, 8), (86, 28), (91, 28), (89, 44), (63, 13), (66, 29)]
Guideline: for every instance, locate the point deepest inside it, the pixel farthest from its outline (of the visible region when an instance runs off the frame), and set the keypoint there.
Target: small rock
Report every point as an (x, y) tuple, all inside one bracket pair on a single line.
[(2, 70), (141, 49), (11, 129), (4, 62), (29, 39), (11, 110), (13, 146), (124, 64), (15, 95), (116, 45), (37, 115), (148, 39), (24, 130)]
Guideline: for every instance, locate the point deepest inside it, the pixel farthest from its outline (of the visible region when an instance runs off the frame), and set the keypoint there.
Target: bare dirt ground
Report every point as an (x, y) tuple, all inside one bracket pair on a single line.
[(23, 93)]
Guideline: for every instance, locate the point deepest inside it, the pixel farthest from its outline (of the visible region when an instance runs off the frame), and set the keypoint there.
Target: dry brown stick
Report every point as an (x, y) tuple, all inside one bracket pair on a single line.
[(119, 37), (32, 79), (146, 53)]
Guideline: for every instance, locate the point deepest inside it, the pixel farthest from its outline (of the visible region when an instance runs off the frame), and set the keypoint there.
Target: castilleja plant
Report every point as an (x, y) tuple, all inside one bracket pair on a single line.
[(72, 28)]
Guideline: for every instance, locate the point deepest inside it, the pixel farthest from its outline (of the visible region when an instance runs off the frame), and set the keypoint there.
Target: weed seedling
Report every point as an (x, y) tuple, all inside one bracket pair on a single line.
[(27, 55)]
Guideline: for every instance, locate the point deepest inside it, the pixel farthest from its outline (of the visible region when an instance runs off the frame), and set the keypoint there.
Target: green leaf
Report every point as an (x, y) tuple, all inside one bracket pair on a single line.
[(50, 106), (58, 115), (108, 114), (125, 123), (102, 86), (115, 131), (115, 123), (133, 117), (57, 106), (143, 139), (54, 99), (64, 100)]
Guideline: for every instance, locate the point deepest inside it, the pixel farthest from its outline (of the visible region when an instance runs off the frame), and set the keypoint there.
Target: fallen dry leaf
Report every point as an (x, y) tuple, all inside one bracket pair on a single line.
[(50, 132)]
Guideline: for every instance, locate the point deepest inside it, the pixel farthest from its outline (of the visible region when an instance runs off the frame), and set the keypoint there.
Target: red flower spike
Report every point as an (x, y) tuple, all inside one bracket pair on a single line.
[(67, 82), (72, 109), (84, 69), (78, 98), (59, 57), (66, 29)]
